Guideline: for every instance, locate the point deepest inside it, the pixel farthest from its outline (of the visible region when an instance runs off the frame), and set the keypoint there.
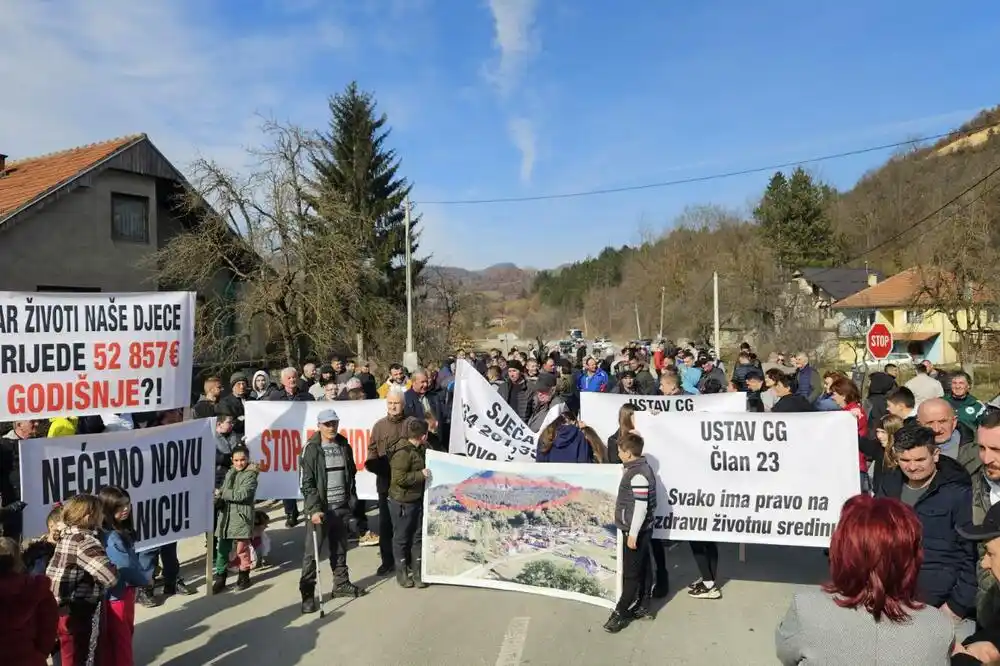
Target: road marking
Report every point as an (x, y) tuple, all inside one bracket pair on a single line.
[(513, 642)]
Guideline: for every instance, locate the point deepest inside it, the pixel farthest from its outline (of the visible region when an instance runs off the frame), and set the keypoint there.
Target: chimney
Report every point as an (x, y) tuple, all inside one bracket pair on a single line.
[(872, 279), (3, 163)]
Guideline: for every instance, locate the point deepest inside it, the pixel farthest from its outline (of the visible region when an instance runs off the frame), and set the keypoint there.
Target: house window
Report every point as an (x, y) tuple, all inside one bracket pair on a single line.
[(129, 218), (993, 315), (914, 317)]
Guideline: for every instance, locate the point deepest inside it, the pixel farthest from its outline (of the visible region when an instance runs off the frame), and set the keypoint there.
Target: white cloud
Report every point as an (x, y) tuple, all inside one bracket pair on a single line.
[(522, 133), (87, 71), (514, 38), (516, 42)]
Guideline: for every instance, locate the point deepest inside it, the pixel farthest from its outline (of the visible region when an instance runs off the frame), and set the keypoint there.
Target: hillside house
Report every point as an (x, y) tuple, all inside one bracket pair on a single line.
[(915, 325), (86, 218)]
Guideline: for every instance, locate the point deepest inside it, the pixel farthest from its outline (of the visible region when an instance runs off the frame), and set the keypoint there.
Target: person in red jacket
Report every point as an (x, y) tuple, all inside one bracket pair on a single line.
[(28, 612), (847, 396)]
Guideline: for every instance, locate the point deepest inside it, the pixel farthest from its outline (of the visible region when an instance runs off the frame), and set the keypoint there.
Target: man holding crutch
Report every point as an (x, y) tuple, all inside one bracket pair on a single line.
[(329, 496)]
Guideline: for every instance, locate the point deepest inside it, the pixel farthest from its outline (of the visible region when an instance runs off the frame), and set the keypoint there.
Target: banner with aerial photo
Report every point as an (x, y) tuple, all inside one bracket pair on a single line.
[(526, 527)]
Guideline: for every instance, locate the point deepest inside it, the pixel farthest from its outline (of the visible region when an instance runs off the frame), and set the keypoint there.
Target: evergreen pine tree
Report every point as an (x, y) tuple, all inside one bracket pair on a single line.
[(794, 219), (354, 165)]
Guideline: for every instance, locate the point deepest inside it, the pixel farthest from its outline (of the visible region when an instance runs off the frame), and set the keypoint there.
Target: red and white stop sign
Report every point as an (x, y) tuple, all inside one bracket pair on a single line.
[(879, 341)]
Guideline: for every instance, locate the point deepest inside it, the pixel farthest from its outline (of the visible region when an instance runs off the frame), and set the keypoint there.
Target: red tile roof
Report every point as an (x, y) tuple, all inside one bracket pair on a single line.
[(30, 179), (905, 289)]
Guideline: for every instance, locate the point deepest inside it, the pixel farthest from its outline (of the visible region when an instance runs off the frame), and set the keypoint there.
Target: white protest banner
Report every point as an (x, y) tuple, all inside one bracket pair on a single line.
[(169, 472), (546, 529), (82, 354), (600, 410), (277, 431), (483, 425), (751, 478)]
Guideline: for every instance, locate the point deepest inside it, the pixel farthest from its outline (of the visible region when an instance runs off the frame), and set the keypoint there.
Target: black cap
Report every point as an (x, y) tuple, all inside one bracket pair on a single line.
[(990, 529), (546, 382)]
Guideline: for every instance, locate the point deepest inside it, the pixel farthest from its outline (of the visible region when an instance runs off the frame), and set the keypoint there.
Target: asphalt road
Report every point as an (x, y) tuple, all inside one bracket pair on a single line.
[(466, 626)]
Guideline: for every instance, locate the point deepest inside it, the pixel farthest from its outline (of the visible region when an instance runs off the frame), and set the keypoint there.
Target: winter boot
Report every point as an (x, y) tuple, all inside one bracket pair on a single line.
[(348, 590), (177, 587), (309, 604), (415, 575), (402, 576), (219, 582), (146, 598), (243, 580), (662, 587)]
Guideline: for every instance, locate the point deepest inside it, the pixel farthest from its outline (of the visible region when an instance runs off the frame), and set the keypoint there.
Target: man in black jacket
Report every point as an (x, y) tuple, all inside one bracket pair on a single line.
[(329, 496), (515, 390), (11, 506), (983, 647), (235, 401), (789, 400), (290, 390), (940, 492)]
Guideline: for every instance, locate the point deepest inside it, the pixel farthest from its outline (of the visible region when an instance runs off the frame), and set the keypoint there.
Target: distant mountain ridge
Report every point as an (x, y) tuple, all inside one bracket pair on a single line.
[(504, 280)]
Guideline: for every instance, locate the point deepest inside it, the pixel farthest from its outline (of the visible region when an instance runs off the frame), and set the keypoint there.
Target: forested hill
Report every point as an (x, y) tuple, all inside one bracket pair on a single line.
[(935, 203)]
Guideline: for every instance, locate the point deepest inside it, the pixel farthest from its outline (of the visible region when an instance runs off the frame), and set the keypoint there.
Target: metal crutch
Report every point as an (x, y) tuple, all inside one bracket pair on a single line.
[(319, 578)]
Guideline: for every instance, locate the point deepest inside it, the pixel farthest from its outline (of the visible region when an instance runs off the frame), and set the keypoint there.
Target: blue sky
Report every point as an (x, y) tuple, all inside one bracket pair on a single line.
[(512, 98)]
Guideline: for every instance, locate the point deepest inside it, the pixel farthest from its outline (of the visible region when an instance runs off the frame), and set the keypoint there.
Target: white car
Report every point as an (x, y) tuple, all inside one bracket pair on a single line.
[(600, 344), (894, 358)]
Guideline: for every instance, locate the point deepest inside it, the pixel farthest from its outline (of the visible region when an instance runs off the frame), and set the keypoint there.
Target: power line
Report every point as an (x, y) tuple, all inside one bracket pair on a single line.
[(716, 176), (939, 210)]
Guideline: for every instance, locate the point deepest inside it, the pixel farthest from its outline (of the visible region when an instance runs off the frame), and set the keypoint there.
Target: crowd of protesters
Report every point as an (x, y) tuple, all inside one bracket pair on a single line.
[(916, 551)]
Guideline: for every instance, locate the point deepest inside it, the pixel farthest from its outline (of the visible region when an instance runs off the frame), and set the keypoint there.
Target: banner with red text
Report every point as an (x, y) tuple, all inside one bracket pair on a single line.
[(276, 433), (81, 354)]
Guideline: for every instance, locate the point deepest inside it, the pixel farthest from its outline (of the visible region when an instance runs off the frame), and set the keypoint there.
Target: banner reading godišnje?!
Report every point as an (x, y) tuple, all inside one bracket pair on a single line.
[(81, 354)]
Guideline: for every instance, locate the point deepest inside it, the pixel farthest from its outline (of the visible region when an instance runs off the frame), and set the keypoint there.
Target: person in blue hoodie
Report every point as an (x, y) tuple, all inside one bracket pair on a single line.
[(567, 440), (690, 373), (119, 542)]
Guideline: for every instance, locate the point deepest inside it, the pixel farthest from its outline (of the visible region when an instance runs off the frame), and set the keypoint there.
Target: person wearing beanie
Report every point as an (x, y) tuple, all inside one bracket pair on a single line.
[(515, 391), (234, 402)]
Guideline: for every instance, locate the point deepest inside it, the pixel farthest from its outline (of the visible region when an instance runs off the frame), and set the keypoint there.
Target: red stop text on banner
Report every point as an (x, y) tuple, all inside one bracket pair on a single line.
[(282, 448)]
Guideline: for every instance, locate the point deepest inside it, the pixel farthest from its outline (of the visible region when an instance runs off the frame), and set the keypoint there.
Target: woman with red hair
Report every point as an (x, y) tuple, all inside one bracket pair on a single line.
[(868, 614)]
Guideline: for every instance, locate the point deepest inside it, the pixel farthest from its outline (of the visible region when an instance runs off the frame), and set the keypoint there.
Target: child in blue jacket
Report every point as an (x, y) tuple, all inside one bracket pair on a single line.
[(119, 542)]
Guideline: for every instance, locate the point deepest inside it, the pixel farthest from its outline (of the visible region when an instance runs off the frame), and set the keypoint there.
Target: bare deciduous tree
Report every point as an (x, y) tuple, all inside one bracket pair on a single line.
[(262, 258), (446, 301), (957, 275)]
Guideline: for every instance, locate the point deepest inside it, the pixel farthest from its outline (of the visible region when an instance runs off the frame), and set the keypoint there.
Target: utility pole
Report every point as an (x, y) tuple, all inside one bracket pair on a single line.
[(410, 357), (638, 329), (715, 307), (663, 296)]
